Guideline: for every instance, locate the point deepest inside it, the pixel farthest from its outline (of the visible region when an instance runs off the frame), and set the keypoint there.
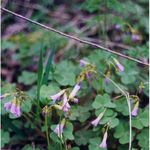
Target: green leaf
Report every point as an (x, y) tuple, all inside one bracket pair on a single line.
[(65, 73), (82, 137), (141, 120), (67, 132), (48, 90), (143, 137), (75, 148), (74, 113), (5, 138), (103, 101), (29, 147), (122, 132), (26, 106), (94, 144), (121, 106), (114, 122), (27, 78), (40, 74)]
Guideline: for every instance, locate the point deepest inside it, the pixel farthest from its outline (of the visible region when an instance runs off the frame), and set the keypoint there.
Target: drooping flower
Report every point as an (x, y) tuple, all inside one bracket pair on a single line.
[(97, 120), (117, 26), (13, 107), (75, 100), (106, 80), (65, 106), (135, 109), (74, 91), (103, 144), (4, 95), (59, 128), (57, 96), (83, 63), (135, 37), (88, 75), (7, 106), (119, 66)]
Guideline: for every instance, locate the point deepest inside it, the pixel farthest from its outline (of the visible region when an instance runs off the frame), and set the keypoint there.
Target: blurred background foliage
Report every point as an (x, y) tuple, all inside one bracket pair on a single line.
[(117, 24)]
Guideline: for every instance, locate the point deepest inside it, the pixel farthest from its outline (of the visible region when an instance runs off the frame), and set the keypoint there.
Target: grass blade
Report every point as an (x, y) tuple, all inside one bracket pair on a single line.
[(48, 67)]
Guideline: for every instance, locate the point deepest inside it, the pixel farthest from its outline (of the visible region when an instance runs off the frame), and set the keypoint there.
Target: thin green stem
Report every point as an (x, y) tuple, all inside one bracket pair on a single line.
[(47, 136), (126, 94)]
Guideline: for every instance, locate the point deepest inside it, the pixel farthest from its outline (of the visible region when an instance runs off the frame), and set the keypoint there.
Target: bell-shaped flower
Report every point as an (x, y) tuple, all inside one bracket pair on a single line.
[(4, 95), (83, 63), (57, 96), (7, 106), (119, 66), (59, 128), (88, 75), (135, 109), (96, 121), (107, 76), (75, 100), (103, 144), (65, 106), (106, 80), (74, 91), (13, 107), (135, 38)]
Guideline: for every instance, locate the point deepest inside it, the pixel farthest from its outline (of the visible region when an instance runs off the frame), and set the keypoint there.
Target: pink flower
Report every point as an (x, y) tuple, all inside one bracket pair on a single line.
[(4, 95), (7, 106), (75, 100), (97, 120), (106, 80), (135, 37), (65, 106), (74, 91), (119, 66), (135, 109), (103, 144), (18, 112), (13, 107), (57, 96), (59, 128), (83, 63), (88, 75)]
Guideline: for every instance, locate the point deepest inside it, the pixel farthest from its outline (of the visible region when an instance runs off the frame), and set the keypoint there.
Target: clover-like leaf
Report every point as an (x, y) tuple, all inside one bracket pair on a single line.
[(143, 138), (67, 132), (121, 106), (122, 132), (65, 73), (141, 120), (47, 91), (82, 137), (103, 101), (27, 78)]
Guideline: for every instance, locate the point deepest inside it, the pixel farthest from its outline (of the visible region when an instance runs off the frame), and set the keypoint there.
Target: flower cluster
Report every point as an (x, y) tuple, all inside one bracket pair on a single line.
[(13, 107)]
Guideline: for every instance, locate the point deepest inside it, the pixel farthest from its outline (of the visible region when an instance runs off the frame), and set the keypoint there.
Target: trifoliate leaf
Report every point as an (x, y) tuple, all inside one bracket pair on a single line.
[(27, 78)]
